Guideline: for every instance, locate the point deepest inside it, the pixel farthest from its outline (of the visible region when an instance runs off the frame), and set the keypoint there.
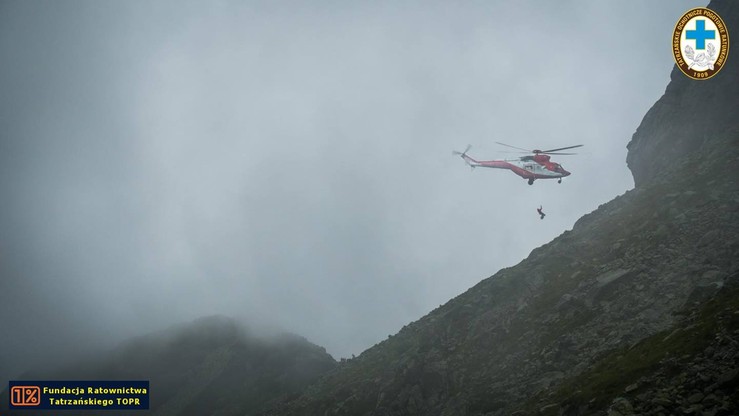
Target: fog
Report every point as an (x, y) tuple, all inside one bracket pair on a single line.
[(289, 163)]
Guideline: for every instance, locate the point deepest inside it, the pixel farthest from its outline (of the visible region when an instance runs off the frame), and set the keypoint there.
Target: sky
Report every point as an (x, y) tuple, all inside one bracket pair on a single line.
[(289, 163)]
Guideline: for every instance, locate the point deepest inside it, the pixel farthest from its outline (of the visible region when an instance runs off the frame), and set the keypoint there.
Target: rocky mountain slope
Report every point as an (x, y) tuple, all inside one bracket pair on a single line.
[(211, 365), (634, 311)]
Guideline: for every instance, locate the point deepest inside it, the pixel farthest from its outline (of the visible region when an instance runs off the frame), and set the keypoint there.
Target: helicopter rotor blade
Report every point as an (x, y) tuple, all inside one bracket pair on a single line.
[(561, 148), (514, 147), (551, 153)]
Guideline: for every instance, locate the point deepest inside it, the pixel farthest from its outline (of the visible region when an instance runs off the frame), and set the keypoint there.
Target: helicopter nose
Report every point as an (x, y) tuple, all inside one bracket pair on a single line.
[(565, 173)]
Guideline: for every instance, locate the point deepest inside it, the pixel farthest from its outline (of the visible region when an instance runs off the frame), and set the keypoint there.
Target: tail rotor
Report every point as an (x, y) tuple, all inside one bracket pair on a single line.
[(464, 156)]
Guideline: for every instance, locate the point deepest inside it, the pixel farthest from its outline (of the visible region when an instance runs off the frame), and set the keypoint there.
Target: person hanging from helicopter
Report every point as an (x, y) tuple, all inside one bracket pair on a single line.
[(541, 213)]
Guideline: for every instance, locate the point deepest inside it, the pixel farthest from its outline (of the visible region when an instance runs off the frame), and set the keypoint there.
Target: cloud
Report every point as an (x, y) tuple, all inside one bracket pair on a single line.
[(290, 163)]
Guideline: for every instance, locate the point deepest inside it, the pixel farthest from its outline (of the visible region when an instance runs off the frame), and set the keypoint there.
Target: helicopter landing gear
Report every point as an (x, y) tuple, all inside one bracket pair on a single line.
[(560, 180), (531, 181)]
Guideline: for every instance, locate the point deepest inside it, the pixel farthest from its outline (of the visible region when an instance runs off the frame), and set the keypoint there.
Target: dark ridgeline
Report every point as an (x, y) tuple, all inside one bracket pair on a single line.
[(634, 311), (211, 366)]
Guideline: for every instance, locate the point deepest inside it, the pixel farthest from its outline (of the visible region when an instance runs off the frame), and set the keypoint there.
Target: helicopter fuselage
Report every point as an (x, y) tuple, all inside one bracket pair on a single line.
[(532, 167)]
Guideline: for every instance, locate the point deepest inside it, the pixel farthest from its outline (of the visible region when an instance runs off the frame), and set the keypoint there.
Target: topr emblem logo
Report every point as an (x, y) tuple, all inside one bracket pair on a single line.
[(700, 43)]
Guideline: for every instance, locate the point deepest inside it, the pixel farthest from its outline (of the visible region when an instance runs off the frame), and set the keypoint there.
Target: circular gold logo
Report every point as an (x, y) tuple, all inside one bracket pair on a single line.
[(700, 43)]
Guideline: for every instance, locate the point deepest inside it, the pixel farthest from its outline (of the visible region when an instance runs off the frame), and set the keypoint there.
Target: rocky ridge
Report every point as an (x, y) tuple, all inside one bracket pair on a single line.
[(688, 116)]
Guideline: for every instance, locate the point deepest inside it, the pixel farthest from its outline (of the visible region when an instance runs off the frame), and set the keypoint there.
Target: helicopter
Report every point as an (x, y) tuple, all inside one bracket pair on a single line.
[(533, 166)]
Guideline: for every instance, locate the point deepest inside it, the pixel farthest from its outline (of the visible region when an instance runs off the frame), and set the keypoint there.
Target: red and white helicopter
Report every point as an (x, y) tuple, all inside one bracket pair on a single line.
[(531, 167)]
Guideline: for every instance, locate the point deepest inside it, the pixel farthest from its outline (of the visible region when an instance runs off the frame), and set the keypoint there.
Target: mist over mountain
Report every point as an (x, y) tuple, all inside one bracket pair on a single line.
[(633, 311), (212, 365), (289, 164)]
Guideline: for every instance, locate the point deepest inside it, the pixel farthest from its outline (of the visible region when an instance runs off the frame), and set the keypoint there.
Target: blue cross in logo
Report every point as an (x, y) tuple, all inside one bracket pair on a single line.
[(700, 34)]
